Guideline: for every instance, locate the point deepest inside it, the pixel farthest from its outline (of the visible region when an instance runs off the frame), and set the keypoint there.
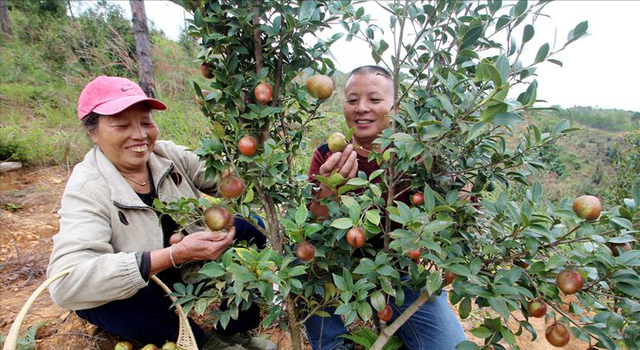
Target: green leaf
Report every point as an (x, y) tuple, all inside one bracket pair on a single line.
[(342, 223), (560, 127), (377, 300), (465, 308), (434, 281), (528, 33), (467, 345), (622, 222), (629, 258), (500, 306), (373, 216), (481, 332), (475, 131), (301, 214), (543, 51), (508, 118)]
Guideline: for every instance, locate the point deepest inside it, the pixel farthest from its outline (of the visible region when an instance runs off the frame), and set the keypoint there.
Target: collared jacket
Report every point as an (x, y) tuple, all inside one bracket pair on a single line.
[(103, 224)]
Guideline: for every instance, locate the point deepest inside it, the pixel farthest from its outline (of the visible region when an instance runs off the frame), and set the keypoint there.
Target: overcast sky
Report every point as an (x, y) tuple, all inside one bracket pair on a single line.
[(600, 70)]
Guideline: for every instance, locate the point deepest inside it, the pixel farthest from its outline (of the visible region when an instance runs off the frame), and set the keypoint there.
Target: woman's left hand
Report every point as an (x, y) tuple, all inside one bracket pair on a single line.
[(203, 245)]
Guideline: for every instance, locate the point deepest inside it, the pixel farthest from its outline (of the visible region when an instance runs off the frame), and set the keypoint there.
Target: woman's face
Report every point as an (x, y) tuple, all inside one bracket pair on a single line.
[(368, 102), (127, 138)]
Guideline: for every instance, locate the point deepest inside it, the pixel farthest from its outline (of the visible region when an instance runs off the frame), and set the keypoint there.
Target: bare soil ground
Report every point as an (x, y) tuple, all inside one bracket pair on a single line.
[(29, 200)]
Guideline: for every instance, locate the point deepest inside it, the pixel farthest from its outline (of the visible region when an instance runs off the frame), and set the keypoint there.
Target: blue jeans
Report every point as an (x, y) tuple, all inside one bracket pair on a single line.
[(433, 327)]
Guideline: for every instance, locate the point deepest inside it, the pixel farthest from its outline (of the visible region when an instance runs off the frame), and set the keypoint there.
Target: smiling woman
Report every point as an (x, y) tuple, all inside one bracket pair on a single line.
[(111, 235)]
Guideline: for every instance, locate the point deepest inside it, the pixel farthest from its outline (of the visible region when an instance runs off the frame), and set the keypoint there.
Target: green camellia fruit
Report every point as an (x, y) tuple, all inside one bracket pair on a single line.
[(337, 142), (169, 346), (123, 345), (150, 347), (587, 207), (320, 86)]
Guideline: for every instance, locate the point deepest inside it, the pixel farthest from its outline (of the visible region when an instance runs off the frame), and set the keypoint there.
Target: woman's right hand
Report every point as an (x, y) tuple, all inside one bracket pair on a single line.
[(345, 163)]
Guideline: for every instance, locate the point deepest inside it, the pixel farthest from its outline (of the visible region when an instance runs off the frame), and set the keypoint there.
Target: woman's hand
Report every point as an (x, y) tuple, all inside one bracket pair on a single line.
[(203, 245), (345, 163)]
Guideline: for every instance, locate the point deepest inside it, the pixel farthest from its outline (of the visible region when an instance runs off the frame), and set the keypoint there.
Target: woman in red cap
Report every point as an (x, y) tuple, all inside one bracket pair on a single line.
[(110, 233)]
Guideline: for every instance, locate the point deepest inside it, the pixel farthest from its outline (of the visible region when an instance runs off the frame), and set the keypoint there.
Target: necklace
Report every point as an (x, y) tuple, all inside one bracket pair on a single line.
[(141, 184)]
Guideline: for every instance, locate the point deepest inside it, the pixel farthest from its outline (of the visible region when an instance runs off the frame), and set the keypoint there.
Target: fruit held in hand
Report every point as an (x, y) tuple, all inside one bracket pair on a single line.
[(619, 248), (123, 345), (231, 186), (587, 207), (417, 198), (356, 237), (248, 145), (415, 254), (306, 251), (336, 142), (386, 313), (205, 69), (217, 218), (537, 307), (263, 93), (320, 86), (176, 238), (558, 334), (569, 281)]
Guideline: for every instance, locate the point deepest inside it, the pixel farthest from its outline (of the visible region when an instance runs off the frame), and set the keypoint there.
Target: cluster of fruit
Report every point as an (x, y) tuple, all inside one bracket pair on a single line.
[(126, 345)]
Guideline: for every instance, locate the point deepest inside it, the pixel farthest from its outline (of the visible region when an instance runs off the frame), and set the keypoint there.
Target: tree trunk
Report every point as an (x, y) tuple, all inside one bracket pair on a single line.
[(4, 17), (143, 47)]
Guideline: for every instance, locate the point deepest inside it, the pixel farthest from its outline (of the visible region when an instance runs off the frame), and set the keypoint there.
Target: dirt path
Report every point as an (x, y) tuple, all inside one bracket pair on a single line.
[(29, 200)]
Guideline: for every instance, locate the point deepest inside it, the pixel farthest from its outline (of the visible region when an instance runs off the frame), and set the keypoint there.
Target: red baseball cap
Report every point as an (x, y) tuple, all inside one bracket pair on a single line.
[(111, 95)]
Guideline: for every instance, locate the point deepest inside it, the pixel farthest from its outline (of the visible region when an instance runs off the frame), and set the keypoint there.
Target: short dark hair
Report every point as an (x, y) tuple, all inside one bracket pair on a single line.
[(371, 69), (90, 121)]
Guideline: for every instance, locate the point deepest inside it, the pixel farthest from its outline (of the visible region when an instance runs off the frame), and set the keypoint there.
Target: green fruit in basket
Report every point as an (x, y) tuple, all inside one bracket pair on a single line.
[(123, 345), (169, 346), (150, 347)]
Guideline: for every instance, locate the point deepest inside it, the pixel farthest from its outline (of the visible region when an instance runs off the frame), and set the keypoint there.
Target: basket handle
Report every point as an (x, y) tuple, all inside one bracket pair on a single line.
[(186, 339), (12, 337)]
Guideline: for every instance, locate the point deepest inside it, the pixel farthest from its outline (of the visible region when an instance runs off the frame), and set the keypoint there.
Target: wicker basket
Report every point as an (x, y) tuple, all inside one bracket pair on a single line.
[(186, 339)]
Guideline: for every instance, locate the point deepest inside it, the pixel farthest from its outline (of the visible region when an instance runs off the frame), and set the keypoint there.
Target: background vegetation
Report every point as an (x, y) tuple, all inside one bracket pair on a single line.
[(51, 55)]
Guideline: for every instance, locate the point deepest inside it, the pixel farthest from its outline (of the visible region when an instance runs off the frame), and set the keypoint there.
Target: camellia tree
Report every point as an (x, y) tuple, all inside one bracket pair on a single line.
[(454, 64)]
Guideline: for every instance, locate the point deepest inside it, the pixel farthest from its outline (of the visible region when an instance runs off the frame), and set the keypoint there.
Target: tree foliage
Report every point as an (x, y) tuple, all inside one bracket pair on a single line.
[(454, 65)]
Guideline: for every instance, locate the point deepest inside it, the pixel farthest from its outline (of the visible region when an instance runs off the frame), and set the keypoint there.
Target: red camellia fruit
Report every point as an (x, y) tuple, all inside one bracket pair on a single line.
[(587, 207), (619, 248), (356, 237), (176, 238), (558, 334), (415, 254), (217, 218), (231, 186), (569, 281), (320, 86), (386, 313), (417, 198), (448, 277), (263, 93), (306, 251), (248, 145), (205, 69), (537, 307)]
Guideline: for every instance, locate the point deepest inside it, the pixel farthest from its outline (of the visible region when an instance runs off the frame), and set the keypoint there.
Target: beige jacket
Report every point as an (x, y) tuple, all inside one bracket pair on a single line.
[(103, 223)]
